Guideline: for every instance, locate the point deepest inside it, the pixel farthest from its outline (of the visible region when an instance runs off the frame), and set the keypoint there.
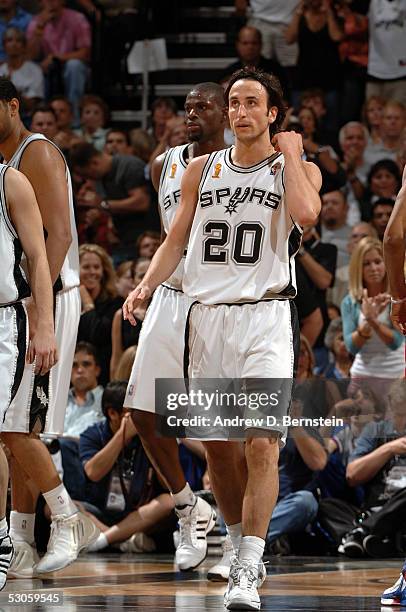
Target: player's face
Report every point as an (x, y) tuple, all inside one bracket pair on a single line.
[(63, 113), (203, 116), (84, 372), (91, 271), (384, 184), (248, 110), (44, 123), (373, 267)]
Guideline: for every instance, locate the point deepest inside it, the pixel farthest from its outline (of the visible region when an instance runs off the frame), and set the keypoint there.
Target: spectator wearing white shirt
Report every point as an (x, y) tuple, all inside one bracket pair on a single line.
[(25, 75)]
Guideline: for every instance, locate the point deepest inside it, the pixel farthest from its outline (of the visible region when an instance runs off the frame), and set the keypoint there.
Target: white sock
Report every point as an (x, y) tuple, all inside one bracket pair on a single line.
[(59, 501), (235, 533), (100, 543), (251, 549), (3, 528), (185, 497), (22, 527)]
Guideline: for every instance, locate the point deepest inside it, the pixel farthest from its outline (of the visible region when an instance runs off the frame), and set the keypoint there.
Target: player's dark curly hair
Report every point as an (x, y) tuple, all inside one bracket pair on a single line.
[(8, 90), (273, 87)]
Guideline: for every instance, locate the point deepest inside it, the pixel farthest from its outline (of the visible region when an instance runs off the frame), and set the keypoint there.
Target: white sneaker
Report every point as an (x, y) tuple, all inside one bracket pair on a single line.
[(138, 543), (221, 571), (243, 583), (69, 535), (194, 527), (25, 560), (6, 556)]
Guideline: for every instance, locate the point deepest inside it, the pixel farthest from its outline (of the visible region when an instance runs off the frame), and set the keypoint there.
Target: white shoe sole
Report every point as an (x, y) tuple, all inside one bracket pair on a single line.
[(92, 539), (216, 577), (210, 526), (239, 603)]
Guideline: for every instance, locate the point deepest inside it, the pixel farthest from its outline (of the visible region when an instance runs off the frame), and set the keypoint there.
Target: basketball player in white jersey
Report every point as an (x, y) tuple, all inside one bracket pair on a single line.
[(40, 403), (161, 345), (394, 251), (243, 208), (20, 232)]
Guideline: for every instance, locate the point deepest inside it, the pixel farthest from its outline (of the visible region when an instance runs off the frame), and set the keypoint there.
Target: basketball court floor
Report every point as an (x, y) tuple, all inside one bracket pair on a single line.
[(149, 583)]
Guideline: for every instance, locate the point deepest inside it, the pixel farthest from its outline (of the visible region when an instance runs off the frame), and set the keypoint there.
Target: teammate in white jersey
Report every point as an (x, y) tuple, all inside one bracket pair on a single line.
[(394, 250), (161, 344), (20, 231), (248, 332), (40, 403)]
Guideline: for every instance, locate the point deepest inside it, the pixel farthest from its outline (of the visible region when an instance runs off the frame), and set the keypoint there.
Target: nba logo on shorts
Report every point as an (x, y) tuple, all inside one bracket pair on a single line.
[(275, 168), (173, 170), (217, 170), (130, 389)]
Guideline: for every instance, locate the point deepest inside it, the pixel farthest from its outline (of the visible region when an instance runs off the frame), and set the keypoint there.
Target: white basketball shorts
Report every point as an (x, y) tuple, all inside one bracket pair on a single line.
[(161, 347), (40, 403), (13, 349)]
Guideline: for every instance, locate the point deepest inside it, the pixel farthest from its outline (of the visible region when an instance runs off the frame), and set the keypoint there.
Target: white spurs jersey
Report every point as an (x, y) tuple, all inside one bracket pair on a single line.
[(243, 240), (69, 275), (169, 197), (13, 284)]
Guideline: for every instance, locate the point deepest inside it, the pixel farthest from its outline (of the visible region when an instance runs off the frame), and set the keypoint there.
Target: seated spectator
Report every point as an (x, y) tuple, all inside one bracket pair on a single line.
[(147, 244), (175, 134), (43, 121), (120, 190), (372, 115), (123, 334), (340, 366), (83, 410), (393, 124), (340, 289), (384, 181), (333, 311), (142, 144), (12, 16), (315, 99), (125, 364), (162, 110), (334, 227), (309, 313), (94, 114), (353, 139), (369, 334), (99, 303), (124, 279), (317, 29), (249, 51), (306, 361), (381, 212), (124, 497), (84, 400), (118, 143), (61, 39), (63, 110), (95, 226), (26, 76)]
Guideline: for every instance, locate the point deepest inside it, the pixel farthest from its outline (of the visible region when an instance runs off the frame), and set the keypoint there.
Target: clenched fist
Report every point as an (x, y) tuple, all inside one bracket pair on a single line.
[(289, 143)]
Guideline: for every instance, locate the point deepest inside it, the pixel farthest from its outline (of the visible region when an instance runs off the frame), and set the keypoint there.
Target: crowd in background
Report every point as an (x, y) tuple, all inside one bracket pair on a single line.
[(343, 69)]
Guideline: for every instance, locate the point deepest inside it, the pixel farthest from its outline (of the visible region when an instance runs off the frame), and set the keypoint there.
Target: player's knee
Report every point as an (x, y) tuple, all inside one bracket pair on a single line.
[(262, 449), (218, 451)]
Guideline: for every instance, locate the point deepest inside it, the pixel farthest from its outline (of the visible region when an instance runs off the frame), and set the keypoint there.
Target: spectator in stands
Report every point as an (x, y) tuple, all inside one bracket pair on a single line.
[(393, 124), (249, 51), (99, 303), (384, 181), (26, 76), (353, 50), (334, 226), (381, 212), (147, 244), (386, 60), (94, 114), (162, 110), (43, 121), (340, 366), (368, 331), (316, 28), (125, 363), (121, 191), (95, 226), (309, 313), (123, 334), (118, 142), (372, 116), (124, 279), (175, 134), (61, 39), (11, 16), (64, 116), (353, 138), (142, 144), (306, 362), (315, 99), (123, 494), (340, 289), (333, 311)]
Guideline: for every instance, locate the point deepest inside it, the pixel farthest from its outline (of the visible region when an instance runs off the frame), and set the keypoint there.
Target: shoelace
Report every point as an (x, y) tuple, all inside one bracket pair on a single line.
[(244, 573), (187, 526), (227, 545)]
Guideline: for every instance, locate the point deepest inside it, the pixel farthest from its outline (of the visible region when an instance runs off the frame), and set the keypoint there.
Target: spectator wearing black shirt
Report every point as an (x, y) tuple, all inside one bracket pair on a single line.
[(121, 190)]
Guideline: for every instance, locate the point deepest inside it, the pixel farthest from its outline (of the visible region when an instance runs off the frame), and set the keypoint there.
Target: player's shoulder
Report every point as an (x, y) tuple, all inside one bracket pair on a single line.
[(41, 150)]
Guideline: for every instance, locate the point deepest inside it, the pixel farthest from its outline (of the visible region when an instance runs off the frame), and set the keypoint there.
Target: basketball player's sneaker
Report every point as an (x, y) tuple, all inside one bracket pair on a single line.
[(396, 594), (195, 522), (69, 535), (25, 560), (221, 571), (244, 580), (6, 556)]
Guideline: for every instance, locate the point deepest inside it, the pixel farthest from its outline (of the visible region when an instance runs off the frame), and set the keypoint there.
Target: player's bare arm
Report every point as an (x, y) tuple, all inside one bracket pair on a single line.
[(40, 160), (156, 169), (25, 215), (171, 250), (394, 248), (302, 180)]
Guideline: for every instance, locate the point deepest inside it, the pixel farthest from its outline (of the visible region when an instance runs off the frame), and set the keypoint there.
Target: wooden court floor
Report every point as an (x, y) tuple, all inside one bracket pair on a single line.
[(150, 583)]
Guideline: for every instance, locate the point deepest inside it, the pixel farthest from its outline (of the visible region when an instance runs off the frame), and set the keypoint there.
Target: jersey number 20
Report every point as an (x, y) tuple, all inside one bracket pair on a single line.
[(246, 247)]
